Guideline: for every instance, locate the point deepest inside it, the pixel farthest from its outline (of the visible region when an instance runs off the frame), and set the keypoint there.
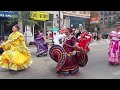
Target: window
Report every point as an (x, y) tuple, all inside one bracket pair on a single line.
[(114, 12), (81, 12), (68, 11), (74, 11), (109, 12), (105, 21), (114, 18), (88, 12), (101, 21), (109, 19), (84, 12), (101, 12), (106, 13)]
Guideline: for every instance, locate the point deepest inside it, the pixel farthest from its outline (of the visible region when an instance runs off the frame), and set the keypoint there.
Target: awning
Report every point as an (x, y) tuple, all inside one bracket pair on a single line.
[(54, 29)]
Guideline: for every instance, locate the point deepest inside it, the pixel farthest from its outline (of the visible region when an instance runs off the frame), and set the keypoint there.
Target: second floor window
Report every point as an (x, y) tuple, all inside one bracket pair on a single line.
[(84, 12), (101, 21), (105, 21), (101, 12)]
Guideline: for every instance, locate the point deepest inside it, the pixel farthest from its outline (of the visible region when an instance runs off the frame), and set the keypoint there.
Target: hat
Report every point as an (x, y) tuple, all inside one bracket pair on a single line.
[(70, 30)]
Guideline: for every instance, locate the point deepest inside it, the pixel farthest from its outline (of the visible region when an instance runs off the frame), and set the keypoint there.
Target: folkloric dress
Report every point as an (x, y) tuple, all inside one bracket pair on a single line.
[(84, 41), (114, 48), (16, 55), (71, 62), (41, 44)]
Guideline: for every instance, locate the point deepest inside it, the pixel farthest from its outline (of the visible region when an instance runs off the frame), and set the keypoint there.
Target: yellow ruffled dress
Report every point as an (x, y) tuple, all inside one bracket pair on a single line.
[(16, 55)]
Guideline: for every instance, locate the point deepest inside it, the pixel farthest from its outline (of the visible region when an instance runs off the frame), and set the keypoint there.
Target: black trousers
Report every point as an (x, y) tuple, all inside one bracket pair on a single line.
[(1, 50)]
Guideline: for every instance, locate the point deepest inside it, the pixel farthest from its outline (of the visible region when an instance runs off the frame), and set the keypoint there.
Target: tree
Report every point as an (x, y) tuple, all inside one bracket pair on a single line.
[(23, 16), (23, 19), (93, 14), (91, 27)]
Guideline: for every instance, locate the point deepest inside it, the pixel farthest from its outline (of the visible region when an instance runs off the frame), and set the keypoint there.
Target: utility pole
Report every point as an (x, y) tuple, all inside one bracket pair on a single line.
[(45, 28), (59, 20)]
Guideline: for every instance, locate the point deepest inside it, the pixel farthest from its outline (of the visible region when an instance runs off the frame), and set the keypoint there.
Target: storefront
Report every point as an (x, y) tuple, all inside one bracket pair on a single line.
[(75, 21), (5, 30), (45, 21)]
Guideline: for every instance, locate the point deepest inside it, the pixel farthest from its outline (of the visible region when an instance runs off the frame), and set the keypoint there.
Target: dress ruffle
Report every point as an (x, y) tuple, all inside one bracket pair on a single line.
[(15, 66), (14, 62)]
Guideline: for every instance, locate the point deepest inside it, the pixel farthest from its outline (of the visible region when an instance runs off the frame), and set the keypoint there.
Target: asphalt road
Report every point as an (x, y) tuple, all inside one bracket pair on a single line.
[(44, 67)]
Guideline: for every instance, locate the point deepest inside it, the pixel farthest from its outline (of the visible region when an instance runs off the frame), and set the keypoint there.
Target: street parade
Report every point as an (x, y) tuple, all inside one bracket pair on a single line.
[(64, 48)]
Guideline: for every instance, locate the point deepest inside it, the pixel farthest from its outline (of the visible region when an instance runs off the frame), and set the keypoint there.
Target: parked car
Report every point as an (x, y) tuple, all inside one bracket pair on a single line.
[(105, 34)]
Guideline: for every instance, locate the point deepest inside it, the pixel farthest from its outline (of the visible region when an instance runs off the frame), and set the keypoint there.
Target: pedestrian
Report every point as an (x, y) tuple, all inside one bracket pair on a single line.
[(97, 36), (114, 46), (56, 39), (1, 49), (69, 57), (78, 34), (41, 43), (16, 55)]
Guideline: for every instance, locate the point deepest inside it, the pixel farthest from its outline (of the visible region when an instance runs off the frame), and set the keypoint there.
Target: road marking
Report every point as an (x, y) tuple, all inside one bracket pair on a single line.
[(116, 73)]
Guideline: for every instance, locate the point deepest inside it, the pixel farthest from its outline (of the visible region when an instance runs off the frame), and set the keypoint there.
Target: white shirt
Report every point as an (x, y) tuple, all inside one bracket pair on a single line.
[(115, 38), (57, 37)]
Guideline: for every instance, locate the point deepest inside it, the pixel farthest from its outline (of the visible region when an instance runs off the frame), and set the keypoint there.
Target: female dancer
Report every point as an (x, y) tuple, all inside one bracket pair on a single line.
[(41, 44), (114, 46), (73, 57), (84, 40), (16, 55)]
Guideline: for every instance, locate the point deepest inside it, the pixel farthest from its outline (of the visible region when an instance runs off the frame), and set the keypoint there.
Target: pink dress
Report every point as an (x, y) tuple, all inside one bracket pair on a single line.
[(114, 48)]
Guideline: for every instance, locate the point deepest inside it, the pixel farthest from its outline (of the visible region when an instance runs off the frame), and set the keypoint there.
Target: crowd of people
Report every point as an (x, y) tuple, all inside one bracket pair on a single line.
[(69, 50)]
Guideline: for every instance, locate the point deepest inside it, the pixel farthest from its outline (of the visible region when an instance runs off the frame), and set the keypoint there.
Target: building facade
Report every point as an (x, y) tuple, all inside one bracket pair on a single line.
[(46, 26), (54, 18), (4, 28), (107, 19), (75, 18)]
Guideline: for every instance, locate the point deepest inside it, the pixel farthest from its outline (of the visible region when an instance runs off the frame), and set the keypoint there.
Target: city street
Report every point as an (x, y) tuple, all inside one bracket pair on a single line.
[(44, 67)]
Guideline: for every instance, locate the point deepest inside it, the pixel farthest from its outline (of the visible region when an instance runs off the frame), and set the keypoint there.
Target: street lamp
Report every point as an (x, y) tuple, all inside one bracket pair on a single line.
[(59, 20)]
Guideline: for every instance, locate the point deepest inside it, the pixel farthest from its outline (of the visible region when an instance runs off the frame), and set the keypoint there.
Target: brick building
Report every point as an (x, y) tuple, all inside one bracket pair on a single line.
[(107, 19)]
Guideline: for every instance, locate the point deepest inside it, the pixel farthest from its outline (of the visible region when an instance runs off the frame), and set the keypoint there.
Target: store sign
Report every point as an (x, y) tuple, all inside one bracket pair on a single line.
[(8, 13), (42, 16)]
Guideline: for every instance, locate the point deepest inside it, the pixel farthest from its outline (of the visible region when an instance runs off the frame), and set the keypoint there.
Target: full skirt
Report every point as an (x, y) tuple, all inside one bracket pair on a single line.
[(15, 60), (114, 52)]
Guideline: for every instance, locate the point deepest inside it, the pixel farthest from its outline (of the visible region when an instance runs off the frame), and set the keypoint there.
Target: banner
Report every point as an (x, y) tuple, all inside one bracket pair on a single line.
[(94, 20), (8, 13), (42, 16)]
